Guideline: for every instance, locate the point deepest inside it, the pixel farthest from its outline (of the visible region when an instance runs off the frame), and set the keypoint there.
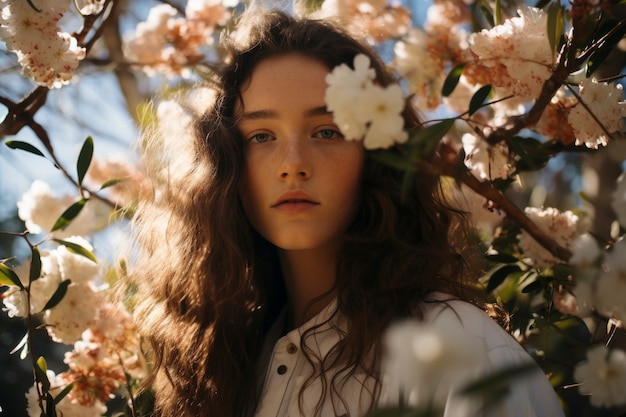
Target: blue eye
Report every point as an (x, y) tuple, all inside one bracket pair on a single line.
[(261, 138), (328, 134)]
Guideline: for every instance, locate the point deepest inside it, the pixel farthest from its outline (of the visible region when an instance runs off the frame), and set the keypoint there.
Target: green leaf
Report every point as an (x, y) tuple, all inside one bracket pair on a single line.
[(24, 146), (78, 249), (424, 140), (555, 26), (498, 13), (502, 257), (452, 80), (69, 215), (63, 393), (84, 159), (479, 98), (35, 264), (58, 295), (9, 277), (23, 342), (51, 410), (30, 3), (111, 183), (500, 275), (40, 374), (600, 54), (534, 287)]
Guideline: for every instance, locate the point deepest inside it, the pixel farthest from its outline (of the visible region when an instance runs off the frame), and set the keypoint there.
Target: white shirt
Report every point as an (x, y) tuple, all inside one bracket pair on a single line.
[(287, 369)]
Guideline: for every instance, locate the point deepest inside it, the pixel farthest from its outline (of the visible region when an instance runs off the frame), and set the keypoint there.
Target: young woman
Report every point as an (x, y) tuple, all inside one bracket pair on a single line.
[(275, 253)]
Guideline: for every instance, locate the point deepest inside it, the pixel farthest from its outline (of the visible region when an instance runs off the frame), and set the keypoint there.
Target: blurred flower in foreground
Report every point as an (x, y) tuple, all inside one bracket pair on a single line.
[(430, 357), (363, 110), (603, 376), (611, 283), (618, 203)]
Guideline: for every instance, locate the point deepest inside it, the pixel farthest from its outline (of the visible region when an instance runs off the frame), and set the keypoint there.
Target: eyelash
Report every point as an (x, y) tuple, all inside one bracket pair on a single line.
[(335, 134), (254, 138)]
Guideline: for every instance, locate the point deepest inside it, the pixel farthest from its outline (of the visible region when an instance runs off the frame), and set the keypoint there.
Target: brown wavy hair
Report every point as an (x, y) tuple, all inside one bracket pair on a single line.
[(210, 286)]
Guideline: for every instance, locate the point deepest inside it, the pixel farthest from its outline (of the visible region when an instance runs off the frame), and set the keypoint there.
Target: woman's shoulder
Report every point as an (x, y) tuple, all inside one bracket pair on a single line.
[(445, 310)]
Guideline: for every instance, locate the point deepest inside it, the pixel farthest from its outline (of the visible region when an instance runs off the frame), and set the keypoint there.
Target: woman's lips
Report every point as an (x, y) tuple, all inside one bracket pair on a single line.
[(294, 201)]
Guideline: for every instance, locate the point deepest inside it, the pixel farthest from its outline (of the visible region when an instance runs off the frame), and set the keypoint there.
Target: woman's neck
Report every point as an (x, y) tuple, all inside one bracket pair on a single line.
[(308, 274)]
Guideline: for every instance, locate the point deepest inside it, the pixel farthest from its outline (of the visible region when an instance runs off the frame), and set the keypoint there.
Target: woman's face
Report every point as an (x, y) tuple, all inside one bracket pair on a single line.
[(302, 179)]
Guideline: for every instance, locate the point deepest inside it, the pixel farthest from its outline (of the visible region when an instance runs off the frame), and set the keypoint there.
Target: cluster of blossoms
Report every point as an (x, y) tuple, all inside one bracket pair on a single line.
[(40, 208), (98, 364), (376, 20), (79, 307), (421, 56), (600, 286), (514, 57), (168, 43), (563, 227), (46, 53), (364, 110), (106, 345)]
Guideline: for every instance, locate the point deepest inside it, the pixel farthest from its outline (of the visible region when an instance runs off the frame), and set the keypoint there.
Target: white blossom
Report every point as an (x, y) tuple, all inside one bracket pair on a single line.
[(76, 312), (421, 68), (585, 251), (611, 283), (560, 226), (486, 162), (521, 46), (76, 267), (606, 102), (40, 209), (363, 110), (603, 376), (88, 7), (618, 201)]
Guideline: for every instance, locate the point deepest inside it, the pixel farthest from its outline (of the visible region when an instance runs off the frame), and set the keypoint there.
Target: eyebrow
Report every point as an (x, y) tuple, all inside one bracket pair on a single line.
[(271, 114)]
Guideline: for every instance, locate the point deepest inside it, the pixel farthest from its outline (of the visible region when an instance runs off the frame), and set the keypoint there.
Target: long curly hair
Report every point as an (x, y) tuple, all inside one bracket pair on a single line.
[(210, 286)]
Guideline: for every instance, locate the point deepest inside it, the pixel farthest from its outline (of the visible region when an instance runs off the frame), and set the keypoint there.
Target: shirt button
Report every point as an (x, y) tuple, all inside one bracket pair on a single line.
[(281, 370), (291, 348)]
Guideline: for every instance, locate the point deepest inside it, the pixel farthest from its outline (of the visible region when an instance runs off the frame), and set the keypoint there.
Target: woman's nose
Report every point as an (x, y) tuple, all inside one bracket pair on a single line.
[(295, 163)]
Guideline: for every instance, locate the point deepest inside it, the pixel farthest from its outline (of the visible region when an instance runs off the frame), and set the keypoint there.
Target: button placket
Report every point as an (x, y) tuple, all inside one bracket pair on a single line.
[(286, 357)]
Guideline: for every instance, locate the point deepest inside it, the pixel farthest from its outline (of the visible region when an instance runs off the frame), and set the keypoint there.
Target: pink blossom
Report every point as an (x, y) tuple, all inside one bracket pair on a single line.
[(67, 407), (47, 54)]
